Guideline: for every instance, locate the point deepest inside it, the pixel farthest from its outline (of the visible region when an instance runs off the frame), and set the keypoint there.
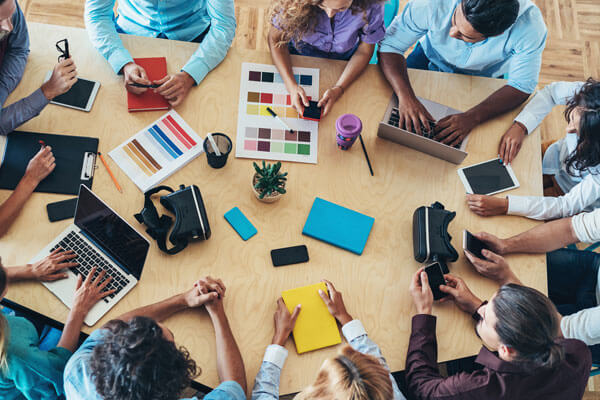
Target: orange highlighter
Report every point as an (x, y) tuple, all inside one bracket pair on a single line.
[(110, 173)]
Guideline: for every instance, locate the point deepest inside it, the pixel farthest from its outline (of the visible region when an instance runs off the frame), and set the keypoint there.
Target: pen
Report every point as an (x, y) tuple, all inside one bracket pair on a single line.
[(141, 85), (280, 120), (42, 143), (110, 173), (213, 144)]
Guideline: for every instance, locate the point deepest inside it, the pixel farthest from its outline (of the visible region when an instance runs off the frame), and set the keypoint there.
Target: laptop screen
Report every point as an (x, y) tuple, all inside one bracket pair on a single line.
[(114, 235)]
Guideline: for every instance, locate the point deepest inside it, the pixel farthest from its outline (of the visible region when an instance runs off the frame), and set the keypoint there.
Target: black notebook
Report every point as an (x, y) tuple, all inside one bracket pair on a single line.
[(75, 161)]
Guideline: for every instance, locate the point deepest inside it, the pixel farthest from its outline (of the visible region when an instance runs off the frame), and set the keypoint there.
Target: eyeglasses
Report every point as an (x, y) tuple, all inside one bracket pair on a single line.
[(63, 48)]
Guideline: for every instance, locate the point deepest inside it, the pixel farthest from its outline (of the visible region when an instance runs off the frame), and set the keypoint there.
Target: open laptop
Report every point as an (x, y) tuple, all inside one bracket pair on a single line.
[(389, 129), (99, 237)]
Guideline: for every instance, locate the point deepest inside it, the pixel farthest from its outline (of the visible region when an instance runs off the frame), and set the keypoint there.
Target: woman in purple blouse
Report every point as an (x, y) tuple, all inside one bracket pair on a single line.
[(337, 29)]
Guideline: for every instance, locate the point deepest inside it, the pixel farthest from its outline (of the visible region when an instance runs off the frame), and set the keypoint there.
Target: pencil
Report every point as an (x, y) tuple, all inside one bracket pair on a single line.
[(110, 173), (366, 155)]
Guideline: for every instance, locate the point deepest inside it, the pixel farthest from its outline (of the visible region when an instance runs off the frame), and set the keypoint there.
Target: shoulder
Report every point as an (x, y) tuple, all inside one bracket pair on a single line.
[(84, 352), (529, 25), (229, 390)]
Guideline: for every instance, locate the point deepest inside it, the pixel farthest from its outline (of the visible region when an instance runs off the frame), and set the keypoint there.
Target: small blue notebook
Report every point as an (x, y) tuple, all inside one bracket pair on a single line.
[(338, 226), (240, 223)]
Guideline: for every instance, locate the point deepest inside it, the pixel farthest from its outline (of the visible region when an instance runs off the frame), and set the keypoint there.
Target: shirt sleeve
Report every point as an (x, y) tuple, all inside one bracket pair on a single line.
[(100, 25), (228, 390), (408, 27), (556, 93), (266, 384), (374, 31), (217, 41), (15, 58), (581, 196), (22, 111), (587, 226), (356, 335), (77, 383), (583, 325)]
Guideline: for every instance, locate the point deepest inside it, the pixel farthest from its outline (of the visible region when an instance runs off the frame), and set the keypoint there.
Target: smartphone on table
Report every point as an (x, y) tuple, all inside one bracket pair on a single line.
[(436, 278)]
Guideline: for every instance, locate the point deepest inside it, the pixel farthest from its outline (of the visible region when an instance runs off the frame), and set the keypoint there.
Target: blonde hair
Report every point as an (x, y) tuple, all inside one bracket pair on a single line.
[(3, 323), (351, 375)]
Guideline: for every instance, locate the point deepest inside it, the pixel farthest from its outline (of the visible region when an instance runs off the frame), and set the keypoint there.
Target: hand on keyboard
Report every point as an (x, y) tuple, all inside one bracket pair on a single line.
[(53, 267), (453, 129), (91, 291), (412, 114)]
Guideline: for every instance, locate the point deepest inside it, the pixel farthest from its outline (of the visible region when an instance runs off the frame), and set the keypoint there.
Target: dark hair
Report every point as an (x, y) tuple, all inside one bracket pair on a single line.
[(490, 17), (3, 278), (587, 152), (528, 322), (135, 361)]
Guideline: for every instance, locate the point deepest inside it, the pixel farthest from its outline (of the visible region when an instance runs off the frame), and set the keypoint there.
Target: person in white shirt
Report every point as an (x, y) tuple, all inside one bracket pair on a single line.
[(573, 275), (358, 372), (573, 162)]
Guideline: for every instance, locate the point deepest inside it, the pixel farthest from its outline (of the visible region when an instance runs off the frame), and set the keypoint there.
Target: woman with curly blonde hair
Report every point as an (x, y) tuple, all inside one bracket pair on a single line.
[(336, 29)]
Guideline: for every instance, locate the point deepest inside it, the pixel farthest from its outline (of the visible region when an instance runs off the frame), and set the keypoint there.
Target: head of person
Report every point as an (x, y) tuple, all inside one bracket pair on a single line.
[(139, 360), (7, 9), (583, 117), (351, 375), (3, 324), (297, 18), (475, 20), (522, 325)]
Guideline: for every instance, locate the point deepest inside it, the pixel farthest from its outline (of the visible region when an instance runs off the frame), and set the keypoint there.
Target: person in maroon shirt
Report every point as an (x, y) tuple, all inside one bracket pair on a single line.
[(523, 355)]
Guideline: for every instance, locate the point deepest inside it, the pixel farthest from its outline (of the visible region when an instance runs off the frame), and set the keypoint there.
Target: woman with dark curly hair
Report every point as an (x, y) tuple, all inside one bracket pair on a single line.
[(571, 166), (336, 29), (135, 356)]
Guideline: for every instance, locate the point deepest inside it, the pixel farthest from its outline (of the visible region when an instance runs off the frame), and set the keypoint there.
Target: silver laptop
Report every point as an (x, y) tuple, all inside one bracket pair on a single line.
[(99, 237), (389, 129)]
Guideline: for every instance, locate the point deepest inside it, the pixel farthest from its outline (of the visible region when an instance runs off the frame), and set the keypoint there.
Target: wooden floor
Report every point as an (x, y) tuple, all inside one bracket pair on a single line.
[(572, 51)]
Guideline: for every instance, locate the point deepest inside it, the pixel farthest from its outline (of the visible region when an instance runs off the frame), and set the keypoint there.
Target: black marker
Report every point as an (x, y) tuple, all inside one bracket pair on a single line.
[(141, 85), (280, 120)]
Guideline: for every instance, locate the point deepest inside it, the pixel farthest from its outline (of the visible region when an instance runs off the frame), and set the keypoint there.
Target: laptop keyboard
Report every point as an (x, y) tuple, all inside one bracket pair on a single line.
[(88, 258), (427, 132)]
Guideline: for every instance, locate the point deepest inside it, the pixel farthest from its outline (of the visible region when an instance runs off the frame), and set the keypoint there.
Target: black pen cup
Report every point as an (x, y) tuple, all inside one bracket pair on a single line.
[(223, 143)]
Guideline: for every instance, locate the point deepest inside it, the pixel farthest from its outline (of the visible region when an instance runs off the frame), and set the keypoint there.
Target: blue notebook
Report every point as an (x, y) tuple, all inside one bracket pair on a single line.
[(338, 226)]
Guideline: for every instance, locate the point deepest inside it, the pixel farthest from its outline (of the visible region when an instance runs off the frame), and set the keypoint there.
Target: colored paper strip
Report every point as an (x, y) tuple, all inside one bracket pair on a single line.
[(164, 136), (177, 134), (162, 143), (180, 129), (136, 160), (142, 150), (142, 158)]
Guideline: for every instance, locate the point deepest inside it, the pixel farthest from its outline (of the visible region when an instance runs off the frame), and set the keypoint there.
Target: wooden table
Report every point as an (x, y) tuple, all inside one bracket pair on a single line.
[(375, 285)]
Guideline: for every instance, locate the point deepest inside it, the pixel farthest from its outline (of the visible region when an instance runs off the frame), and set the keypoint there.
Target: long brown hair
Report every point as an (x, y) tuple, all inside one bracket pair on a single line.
[(351, 375), (296, 18)]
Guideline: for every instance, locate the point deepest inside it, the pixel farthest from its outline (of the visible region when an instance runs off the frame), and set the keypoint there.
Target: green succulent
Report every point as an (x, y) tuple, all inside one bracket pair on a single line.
[(269, 179)]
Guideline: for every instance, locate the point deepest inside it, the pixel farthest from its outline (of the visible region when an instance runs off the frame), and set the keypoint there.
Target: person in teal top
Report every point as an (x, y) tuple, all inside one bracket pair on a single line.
[(26, 372)]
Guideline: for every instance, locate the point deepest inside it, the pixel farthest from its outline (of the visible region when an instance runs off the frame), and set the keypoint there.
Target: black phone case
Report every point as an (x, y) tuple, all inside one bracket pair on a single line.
[(312, 111), (435, 278), (61, 209), (474, 246), (289, 255)]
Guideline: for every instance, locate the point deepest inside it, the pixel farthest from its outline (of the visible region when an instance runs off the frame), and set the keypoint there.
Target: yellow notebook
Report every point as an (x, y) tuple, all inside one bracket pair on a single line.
[(315, 327)]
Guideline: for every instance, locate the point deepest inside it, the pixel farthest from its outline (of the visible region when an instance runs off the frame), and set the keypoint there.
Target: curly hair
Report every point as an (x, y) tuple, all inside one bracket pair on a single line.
[(587, 152), (296, 18), (135, 361)]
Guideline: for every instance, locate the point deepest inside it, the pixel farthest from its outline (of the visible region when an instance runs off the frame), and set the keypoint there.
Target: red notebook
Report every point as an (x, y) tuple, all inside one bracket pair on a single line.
[(156, 68)]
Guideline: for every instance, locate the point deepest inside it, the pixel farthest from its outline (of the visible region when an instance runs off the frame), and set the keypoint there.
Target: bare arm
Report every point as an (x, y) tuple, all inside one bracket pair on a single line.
[(158, 311), (502, 100), (10, 209)]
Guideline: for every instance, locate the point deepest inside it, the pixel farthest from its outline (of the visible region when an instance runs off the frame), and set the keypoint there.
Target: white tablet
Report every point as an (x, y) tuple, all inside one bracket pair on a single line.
[(81, 96), (488, 177)]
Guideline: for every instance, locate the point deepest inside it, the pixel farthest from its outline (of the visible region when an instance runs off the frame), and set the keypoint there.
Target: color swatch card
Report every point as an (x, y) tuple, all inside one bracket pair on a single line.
[(338, 226), (261, 136), (158, 151), (315, 327)]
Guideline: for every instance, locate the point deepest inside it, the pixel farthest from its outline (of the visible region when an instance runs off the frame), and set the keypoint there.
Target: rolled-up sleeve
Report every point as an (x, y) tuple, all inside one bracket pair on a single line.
[(266, 384), (587, 226), (374, 31), (407, 28)]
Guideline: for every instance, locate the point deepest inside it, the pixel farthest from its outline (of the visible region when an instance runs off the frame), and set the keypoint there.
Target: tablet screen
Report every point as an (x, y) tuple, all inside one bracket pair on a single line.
[(78, 95), (488, 177)]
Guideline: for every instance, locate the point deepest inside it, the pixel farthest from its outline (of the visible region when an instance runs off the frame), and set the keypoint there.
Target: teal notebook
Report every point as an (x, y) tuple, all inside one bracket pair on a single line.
[(338, 226)]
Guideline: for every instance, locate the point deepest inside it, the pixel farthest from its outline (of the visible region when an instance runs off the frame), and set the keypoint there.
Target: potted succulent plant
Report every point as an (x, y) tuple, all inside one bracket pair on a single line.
[(268, 182)]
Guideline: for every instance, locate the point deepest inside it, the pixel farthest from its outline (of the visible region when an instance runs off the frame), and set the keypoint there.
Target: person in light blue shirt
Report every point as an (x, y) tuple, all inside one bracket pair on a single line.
[(490, 38), (358, 372), (208, 22), (135, 356)]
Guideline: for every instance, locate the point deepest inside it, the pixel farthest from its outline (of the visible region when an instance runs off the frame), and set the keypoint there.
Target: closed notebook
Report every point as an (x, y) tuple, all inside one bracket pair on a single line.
[(338, 226), (156, 68), (315, 327)]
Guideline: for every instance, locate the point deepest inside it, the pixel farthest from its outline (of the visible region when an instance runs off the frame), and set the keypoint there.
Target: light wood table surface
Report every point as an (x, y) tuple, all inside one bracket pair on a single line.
[(374, 285)]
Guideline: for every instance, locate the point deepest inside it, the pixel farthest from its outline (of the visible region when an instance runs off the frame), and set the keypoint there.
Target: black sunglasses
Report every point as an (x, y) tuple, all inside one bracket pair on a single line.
[(63, 48)]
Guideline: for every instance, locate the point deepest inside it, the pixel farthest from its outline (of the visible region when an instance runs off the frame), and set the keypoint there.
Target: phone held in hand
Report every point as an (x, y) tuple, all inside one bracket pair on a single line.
[(436, 278), (473, 245)]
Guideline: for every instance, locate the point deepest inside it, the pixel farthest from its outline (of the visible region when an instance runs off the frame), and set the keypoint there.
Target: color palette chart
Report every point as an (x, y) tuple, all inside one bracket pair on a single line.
[(158, 151), (261, 136)]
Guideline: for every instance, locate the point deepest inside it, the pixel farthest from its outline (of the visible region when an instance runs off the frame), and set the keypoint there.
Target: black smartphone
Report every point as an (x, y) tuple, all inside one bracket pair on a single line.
[(312, 112), (474, 245), (289, 255), (61, 209), (436, 278)]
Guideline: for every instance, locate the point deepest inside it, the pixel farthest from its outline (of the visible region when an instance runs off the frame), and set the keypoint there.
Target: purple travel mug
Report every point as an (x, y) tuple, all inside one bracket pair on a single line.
[(348, 127)]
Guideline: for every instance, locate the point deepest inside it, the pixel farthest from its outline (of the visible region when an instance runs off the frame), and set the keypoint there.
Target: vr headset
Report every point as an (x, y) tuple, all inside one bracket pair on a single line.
[(191, 223), (431, 241)]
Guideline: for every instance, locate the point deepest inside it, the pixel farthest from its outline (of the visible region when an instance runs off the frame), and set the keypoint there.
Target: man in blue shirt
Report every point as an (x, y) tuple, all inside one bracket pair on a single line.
[(208, 22), (135, 357), (475, 37)]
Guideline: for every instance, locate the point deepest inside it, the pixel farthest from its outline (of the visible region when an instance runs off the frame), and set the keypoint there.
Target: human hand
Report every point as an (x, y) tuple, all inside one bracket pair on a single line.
[(133, 73), (458, 291), (40, 166), (335, 303), (486, 206), (90, 291), (284, 322), (453, 129), (62, 79), (299, 99), (329, 98), (421, 292), (51, 267), (174, 88), (493, 267), (205, 290), (207, 285), (494, 243), (413, 114), (511, 142)]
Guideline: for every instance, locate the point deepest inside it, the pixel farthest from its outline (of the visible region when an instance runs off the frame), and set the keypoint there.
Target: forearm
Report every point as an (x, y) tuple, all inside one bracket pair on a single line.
[(394, 68), (502, 100), (543, 238), (70, 334), (356, 65), (230, 364), (158, 311), (19, 273), (10, 209), (281, 58)]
